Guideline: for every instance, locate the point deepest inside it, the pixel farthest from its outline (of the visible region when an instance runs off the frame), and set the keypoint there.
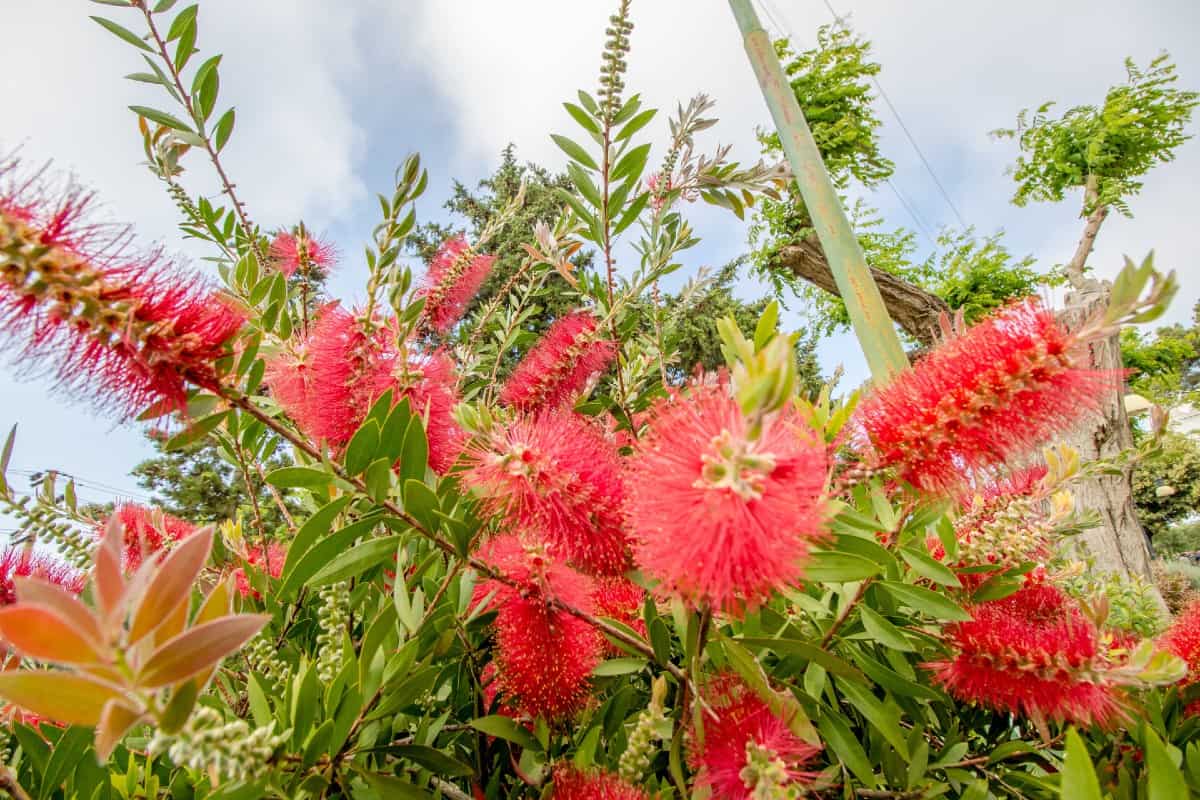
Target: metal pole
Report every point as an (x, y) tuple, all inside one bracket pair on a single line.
[(870, 319)]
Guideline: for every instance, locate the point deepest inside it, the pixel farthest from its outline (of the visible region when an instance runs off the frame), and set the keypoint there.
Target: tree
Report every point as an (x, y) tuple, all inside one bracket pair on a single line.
[(1165, 367), (1103, 153), (1166, 484)]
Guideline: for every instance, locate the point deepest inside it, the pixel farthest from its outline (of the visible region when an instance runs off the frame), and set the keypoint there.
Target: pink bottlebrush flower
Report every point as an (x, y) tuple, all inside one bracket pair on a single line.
[(572, 783), (621, 599), (1032, 653), (268, 560), (554, 476), (345, 368), (982, 399), (328, 382), (742, 722), (544, 655), (453, 278), (715, 517), (292, 253), (1183, 639), (116, 325), (559, 366), (17, 562), (148, 532), (428, 382)]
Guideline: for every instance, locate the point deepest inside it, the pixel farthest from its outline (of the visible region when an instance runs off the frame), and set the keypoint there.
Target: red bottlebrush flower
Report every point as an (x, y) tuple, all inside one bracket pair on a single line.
[(741, 724), (1183, 640), (982, 399), (148, 532), (544, 655), (428, 382), (16, 562), (453, 278), (620, 599), (328, 383), (559, 366), (718, 518), (269, 560), (1032, 653), (117, 325), (292, 253), (556, 477), (571, 783)]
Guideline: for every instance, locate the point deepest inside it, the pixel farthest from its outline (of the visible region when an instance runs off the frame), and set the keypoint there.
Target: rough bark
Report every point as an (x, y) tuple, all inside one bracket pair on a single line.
[(1120, 543), (914, 309)]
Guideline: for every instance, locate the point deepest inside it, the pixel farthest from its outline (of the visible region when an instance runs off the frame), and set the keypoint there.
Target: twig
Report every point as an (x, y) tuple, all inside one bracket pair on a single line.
[(277, 497), (844, 614), (9, 783)]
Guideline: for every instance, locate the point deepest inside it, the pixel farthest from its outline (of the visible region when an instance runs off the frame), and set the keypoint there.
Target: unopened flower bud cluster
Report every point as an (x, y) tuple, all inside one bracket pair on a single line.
[(232, 750), (333, 615)]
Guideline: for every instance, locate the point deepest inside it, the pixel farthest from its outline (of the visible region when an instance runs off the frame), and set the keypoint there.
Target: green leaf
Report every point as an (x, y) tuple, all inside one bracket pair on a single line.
[(64, 756), (830, 566), (421, 502), (632, 212), (197, 431), (585, 120), (1077, 781), (1165, 782), (299, 477), (318, 525), (845, 746), (362, 448), (808, 652), (415, 456), (765, 329), (584, 184), (575, 151), (884, 718), (631, 164), (619, 666), (161, 117), (123, 33), (223, 129), (927, 567), (321, 554), (389, 787), (503, 727), (636, 124), (181, 22), (883, 631), (925, 601), (432, 759), (356, 561)]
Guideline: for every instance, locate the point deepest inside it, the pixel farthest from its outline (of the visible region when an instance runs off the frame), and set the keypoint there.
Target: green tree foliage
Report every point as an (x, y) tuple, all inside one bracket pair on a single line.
[(832, 85), (473, 209), (1166, 484), (1178, 539), (1166, 365), (1105, 149), (198, 483)]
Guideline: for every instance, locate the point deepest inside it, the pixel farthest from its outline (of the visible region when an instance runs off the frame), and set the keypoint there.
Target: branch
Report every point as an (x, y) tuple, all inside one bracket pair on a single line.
[(914, 309), (1091, 228), (9, 784)]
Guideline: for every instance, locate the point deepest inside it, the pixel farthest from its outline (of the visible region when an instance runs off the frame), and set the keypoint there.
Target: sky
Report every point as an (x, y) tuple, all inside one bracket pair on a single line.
[(330, 98)]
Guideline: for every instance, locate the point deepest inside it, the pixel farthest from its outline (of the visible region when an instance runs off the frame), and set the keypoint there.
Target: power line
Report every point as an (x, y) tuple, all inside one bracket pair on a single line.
[(912, 212), (907, 133)]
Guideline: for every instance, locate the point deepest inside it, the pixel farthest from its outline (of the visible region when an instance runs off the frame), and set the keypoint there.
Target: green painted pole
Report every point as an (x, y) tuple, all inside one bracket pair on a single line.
[(870, 319)]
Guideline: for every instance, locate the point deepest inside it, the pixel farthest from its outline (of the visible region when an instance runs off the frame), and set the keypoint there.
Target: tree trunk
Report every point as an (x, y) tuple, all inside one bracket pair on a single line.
[(1120, 543)]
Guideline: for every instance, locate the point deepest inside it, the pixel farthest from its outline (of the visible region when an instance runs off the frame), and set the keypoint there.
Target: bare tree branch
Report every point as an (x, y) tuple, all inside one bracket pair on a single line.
[(914, 309)]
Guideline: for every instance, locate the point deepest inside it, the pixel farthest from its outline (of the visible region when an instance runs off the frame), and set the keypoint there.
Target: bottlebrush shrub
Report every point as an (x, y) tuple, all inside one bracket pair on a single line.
[(573, 579)]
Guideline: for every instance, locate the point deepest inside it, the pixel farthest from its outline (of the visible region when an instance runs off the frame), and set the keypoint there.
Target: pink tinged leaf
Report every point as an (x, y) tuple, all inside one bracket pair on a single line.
[(173, 625), (41, 592), (172, 583), (218, 604), (107, 578), (39, 632), (198, 649), (65, 697), (116, 718)]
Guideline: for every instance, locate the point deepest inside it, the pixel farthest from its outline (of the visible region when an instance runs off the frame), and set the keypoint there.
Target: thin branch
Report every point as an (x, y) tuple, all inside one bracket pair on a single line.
[(1096, 214), (186, 99), (9, 783)]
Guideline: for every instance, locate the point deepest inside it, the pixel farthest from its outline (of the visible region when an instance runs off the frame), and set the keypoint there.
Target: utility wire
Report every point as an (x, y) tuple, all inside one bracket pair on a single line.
[(907, 133)]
